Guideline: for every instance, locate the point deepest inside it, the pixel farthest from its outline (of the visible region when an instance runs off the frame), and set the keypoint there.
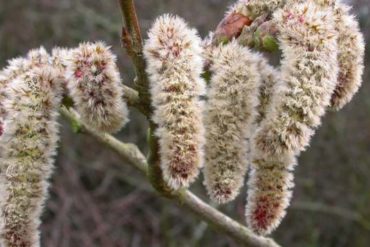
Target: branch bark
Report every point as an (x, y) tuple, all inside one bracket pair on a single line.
[(185, 198), (132, 40)]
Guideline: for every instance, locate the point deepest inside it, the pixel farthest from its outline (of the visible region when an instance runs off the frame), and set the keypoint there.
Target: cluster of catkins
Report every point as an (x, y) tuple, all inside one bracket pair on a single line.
[(254, 116), (31, 92), (251, 116)]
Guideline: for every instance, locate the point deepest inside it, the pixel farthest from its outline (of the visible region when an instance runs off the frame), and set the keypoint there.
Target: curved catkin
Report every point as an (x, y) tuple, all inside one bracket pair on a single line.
[(351, 56), (28, 146), (270, 187), (94, 84), (173, 53), (229, 115), (308, 78)]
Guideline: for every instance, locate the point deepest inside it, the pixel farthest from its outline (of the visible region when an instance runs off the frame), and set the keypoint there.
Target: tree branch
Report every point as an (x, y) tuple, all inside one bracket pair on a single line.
[(132, 40), (185, 198)]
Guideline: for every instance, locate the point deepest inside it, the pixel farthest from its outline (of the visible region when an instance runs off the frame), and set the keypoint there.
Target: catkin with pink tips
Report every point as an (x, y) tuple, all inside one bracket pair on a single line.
[(351, 56), (94, 84), (309, 70), (230, 113), (28, 146), (174, 64)]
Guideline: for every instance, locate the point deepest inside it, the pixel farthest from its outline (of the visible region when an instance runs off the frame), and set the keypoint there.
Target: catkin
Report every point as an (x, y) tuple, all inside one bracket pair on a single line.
[(38, 58), (174, 57), (16, 67), (28, 146), (94, 84), (351, 56), (59, 60), (308, 78), (230, 113)]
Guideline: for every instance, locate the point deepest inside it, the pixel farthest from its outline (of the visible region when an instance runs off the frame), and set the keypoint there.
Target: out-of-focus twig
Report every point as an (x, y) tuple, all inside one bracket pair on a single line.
[(332, 210)]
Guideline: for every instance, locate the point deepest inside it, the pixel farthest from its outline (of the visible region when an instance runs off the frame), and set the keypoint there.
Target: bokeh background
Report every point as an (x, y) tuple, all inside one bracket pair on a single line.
[(96, 200)]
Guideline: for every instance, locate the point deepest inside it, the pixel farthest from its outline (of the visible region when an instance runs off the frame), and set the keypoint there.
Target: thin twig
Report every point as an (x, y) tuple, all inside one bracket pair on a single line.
[(131, 38), (335, 211), (185, 198)]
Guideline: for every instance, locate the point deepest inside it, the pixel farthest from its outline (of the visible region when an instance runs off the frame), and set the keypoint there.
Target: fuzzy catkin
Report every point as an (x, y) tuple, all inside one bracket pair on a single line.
[(94, 84), (308, 78), (351, 56), (59, 59), (28, 146), (16, 67), (229, 115), (174, 64), (270, 187), (38, 57)]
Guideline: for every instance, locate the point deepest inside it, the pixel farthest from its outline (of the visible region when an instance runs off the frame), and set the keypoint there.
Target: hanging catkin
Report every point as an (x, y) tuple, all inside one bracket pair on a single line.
[(351, 56), (28, 146), (94, 84), (308, 78), (174, 56), (230, 113)]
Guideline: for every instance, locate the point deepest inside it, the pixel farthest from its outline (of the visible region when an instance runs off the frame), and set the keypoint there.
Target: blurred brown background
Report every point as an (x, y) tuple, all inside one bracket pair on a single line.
[(95, 203)]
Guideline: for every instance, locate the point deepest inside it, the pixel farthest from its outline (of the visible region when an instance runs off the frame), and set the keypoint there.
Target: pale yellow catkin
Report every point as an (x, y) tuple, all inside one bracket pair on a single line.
[(94, 84), (309, 70), (174, 64), (28, 147), (230, 113)]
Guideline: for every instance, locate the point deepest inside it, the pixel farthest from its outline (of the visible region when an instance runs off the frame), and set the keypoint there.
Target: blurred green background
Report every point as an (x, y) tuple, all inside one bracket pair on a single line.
[(94, 202)]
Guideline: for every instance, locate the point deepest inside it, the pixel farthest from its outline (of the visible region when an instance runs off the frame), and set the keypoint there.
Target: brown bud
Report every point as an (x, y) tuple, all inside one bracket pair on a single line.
[(231, 27)]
